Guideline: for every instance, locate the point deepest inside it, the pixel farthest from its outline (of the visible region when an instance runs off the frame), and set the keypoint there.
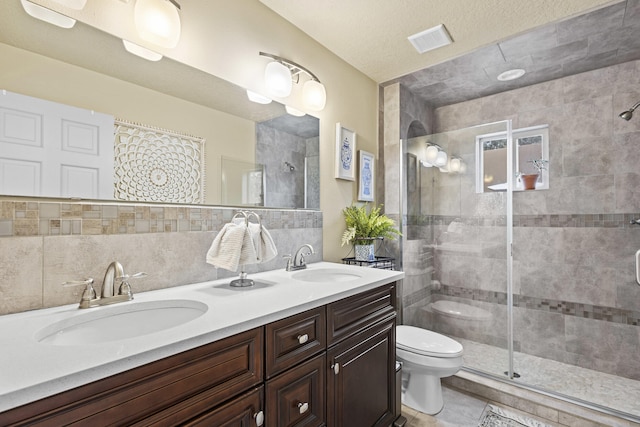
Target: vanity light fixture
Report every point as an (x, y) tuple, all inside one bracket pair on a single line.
[(140, 51), (508, 75), (293, 111), (455, 164), (257, 98), (47, 15), (158, 21), (280, 74)]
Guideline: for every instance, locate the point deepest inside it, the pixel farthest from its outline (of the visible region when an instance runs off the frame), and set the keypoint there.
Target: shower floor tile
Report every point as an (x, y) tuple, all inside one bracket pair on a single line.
[(618, 393)]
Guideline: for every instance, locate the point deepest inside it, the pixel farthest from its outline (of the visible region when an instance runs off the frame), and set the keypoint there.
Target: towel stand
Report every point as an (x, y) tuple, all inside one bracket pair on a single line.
[(243, 281)]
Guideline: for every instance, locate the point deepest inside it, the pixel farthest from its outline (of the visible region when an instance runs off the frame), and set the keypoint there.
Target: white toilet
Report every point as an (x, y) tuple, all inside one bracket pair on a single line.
[(426, 357)]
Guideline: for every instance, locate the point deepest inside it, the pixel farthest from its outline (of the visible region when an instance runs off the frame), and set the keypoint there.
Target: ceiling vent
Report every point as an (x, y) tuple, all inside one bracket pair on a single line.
[(430, 39)]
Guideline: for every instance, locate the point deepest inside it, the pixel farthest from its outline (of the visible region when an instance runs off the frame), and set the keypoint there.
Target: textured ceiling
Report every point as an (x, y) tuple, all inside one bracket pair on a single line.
[(372, 35), (563, 42)]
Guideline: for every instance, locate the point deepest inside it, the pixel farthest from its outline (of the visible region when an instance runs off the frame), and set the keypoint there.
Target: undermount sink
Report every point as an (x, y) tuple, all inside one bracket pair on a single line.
[(325, 275), (106, 324)]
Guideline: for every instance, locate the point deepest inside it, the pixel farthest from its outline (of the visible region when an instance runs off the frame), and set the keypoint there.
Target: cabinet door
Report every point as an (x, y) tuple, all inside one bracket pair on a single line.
[(243, 411), (361, 378), (297, 396)]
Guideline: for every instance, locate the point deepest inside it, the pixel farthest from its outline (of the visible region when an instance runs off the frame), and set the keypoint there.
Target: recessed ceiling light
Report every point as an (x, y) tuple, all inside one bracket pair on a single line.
[(516, 73)]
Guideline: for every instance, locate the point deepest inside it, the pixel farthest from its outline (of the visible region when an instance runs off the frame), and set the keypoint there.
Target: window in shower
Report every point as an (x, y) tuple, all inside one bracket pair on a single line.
[(491, 159)]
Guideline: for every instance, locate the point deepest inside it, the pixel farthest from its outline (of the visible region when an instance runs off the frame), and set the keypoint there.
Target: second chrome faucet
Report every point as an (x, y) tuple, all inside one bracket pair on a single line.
[(297, 262)]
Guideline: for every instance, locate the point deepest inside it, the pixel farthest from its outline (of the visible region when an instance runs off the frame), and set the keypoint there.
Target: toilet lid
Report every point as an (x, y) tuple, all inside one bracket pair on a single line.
[(425, 342)]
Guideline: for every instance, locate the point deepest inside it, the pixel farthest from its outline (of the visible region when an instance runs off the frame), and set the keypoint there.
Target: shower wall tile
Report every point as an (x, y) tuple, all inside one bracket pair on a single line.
[(540, 333), (576, 153), (627, 192)]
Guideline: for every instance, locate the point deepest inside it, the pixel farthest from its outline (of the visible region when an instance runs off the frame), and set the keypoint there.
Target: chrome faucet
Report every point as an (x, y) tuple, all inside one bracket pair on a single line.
[(114, 270), (297, 262), (115, 273)]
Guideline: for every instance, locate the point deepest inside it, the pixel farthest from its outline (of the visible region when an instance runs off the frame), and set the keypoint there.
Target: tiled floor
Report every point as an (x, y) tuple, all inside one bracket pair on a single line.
[(460, 410), (603, 389)]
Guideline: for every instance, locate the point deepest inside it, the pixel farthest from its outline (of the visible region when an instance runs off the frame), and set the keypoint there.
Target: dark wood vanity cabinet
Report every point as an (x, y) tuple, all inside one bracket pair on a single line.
[(361, 359), (330, 366)]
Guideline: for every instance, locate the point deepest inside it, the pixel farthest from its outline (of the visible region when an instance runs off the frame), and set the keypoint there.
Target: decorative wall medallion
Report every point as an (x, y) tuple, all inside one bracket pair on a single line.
[(157, 165)]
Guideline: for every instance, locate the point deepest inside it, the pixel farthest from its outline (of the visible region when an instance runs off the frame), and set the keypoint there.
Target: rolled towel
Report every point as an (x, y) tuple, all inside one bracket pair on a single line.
[(226, 249)]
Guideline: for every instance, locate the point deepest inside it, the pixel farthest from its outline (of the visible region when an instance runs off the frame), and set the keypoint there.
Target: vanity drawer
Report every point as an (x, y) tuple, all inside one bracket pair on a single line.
[(297, 397), (294, 339), (214, 372), (351, 315)]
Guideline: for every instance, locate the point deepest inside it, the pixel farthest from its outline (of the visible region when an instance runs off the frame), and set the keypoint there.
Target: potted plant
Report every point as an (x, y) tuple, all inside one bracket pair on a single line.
[(530, 180), (364, 228)]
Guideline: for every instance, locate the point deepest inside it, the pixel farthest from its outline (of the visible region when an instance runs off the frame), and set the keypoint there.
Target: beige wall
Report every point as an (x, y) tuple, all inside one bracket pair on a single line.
[(224, 38)]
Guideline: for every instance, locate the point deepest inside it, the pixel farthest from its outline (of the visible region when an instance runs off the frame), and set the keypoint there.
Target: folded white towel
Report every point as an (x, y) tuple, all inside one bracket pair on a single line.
[(226, 249), (239, 243)]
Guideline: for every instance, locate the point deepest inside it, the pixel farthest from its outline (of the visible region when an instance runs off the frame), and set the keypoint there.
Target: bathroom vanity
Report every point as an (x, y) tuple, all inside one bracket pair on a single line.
[(311, 348)]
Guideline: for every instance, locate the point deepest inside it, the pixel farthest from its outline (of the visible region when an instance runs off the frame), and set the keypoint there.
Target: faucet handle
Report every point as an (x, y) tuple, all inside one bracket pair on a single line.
[(89, 292), (125, 287), (289, 259)]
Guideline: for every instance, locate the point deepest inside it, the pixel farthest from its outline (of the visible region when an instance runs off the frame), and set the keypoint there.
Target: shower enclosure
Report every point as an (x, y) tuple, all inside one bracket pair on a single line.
[(538, 285)]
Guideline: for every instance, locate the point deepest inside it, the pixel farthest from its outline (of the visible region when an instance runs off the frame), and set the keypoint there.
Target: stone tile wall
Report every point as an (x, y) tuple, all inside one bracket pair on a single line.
[(575, 294), (43, 244)]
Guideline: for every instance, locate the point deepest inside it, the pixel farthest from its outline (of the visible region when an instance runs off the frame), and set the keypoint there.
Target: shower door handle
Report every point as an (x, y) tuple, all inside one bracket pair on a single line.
[(638, 267)]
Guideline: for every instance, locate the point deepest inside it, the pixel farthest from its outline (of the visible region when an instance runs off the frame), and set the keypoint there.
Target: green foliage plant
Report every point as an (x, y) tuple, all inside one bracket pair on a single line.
[(362, 227)]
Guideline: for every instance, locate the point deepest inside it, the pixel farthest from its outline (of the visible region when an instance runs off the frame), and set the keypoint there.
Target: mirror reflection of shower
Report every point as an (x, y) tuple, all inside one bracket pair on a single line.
[(626, 115)]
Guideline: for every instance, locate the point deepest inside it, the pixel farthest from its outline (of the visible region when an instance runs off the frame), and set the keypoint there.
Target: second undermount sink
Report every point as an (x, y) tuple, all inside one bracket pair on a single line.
[(325, 275), (107, 324)]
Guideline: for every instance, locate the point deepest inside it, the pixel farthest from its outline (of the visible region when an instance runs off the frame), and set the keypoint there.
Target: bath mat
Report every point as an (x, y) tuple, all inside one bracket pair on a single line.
[(498, 417)]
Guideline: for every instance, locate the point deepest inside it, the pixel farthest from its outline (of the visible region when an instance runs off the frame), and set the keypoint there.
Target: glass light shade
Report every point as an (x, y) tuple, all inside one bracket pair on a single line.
[(293, 111), (454, 165), (441, 159), (257, 98), (140, 51), (314, 95), (431, 154), (47, 15), (72, 4), (158, 22), (463, 167), (277, 78)]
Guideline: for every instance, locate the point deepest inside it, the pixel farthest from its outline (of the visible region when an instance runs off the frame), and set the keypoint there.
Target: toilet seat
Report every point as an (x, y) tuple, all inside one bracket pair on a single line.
[(427, 343)]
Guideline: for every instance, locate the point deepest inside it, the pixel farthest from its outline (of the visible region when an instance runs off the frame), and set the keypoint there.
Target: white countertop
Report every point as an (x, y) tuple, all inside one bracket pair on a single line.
[(30, 370)]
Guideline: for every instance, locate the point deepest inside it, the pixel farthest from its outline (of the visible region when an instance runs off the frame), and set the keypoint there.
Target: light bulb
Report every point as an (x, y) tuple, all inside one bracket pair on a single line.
[(158, 22), (431, 154), (293, 111), (257, 98), (47, 15), (441, 159), (277, 78), (455, 165), (314, 95), (140, 51)]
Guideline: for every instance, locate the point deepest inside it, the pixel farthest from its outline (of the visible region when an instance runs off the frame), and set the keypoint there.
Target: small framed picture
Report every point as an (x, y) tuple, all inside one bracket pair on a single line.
[(345, 153), (366, 183)]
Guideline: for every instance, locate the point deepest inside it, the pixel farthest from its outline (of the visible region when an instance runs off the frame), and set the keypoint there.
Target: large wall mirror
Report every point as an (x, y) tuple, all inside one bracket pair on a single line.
[(256, 148)]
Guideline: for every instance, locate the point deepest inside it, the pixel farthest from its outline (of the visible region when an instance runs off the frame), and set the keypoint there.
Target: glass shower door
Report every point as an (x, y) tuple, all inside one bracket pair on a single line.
[(457, 233)]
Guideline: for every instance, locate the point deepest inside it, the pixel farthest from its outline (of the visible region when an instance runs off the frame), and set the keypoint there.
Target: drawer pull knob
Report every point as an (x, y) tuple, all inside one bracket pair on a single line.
[(336, 368), (303, 338), (303, 407), (259, 417)]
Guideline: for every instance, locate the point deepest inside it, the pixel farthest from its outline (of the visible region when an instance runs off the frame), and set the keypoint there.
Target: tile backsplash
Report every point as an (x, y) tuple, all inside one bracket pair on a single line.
[(43, 244)]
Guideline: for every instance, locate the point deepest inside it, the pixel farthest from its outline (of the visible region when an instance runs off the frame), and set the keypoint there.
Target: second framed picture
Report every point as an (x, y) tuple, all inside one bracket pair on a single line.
[(366, 176)]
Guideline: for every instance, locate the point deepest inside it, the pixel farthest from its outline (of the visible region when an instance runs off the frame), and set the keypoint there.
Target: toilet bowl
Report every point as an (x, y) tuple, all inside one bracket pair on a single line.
[(426, 357)]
